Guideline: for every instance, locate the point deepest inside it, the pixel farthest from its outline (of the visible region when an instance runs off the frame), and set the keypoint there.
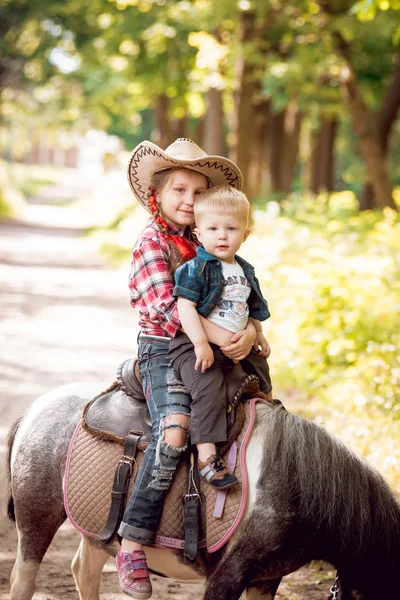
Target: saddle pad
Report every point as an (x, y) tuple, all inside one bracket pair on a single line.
[(89, 475)]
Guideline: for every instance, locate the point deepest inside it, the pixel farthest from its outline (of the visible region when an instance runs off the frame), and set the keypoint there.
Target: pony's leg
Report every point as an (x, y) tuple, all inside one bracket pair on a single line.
[(258, 563), (23, 577), (227, 582), (87, 566), (33, 542), (266, 592)]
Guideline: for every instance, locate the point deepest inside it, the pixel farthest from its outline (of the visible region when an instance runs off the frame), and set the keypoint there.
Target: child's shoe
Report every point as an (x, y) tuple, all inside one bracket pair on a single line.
[(134, 575), (215, 472)]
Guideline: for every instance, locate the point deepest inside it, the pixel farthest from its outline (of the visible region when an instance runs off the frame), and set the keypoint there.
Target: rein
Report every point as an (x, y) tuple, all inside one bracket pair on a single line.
[(335, 589)]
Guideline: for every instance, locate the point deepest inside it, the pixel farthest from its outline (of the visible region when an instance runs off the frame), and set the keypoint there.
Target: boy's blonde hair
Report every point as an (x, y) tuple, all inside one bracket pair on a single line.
[(222, 199)]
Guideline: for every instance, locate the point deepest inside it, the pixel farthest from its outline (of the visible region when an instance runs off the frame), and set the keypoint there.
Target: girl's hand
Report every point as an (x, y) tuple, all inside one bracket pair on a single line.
[(204, 356), (261, 345), (241, 344)]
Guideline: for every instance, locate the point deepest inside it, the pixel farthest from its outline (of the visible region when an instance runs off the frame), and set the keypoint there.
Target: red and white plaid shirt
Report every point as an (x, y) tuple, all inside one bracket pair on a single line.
[(151, 284)]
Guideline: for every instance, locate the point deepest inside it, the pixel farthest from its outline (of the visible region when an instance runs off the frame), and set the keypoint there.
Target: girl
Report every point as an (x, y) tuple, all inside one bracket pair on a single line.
[(166, 184)]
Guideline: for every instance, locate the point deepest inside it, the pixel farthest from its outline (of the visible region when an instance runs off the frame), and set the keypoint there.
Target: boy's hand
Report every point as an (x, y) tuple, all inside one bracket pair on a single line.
[(204, 356), (261, 345), (241, 344)]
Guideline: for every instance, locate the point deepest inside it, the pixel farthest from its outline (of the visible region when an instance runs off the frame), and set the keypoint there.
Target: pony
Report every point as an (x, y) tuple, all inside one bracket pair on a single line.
[(310, 498)]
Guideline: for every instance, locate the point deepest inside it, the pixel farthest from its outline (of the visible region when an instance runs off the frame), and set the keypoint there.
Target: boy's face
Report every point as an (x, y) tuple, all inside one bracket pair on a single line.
[(222, 234)]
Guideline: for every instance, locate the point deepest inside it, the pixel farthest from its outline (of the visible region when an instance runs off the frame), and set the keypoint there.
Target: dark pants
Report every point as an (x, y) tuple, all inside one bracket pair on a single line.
[(207, 390), (254, 364), (165, 395)]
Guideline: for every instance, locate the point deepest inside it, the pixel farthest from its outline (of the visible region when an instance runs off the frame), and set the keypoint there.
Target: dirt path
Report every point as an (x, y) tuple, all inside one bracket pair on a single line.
[(64, 316)]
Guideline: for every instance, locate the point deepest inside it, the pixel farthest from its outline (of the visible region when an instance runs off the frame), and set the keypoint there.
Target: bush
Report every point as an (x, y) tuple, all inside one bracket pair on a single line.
[(332, 278)]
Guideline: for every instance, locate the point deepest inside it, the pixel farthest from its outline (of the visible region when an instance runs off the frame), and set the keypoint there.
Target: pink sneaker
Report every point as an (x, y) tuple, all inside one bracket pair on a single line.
[(134, 575)]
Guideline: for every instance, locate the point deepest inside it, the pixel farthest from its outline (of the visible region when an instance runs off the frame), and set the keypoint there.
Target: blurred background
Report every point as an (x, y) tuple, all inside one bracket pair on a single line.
[(303, 95)]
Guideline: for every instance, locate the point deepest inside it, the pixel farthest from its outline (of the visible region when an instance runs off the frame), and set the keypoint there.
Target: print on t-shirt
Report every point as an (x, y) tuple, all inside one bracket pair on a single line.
[(232, 311)]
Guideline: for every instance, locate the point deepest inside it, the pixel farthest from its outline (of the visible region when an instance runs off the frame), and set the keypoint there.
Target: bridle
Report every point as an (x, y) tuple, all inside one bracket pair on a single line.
[(335, 589)]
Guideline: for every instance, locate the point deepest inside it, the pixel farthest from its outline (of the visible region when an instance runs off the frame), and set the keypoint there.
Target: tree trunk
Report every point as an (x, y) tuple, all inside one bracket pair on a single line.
[(258, 171), (385, 119), (390, 106), (249, 74), (196, 134), (275, 149), (327, 160), (365, 126), (244, 108), (162, 136), (322, 158), (290, 146), (213, 132), (178, 128)]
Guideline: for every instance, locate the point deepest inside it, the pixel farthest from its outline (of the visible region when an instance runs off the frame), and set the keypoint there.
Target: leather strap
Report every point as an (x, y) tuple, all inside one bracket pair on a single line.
[(191, 508), (122, 477), (222, 494)]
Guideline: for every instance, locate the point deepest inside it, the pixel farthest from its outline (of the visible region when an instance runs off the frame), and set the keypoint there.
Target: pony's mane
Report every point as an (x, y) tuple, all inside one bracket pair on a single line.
[(332, 487)]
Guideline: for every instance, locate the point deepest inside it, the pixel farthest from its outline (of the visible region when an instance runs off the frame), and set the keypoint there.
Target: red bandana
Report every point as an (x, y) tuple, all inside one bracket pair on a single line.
[(187, 251)]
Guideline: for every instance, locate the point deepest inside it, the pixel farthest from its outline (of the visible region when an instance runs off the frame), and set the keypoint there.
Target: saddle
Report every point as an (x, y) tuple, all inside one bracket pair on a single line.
[(93, 457), (110, 415)]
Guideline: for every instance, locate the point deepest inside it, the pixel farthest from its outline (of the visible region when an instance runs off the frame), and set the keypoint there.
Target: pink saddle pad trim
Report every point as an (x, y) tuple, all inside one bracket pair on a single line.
[(245, 481)]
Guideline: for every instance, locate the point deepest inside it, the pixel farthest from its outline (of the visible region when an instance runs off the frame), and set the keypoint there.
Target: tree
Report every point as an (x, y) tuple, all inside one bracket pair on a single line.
[(362, 119)]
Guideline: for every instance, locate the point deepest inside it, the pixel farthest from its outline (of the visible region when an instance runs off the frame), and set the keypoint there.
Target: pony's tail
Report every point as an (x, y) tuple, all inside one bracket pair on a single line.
[(10, 509), (10, 443)]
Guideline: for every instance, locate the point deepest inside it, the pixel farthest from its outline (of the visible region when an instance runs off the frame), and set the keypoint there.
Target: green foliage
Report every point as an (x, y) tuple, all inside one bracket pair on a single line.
[(20, 181), (103, 64), (332, 277), (11, 198)]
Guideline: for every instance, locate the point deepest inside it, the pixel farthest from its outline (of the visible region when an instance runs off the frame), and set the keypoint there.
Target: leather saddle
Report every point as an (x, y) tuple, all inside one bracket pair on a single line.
[(112, 414)]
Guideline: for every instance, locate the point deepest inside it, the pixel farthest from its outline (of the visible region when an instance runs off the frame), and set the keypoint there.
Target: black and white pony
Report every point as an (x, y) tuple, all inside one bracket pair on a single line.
[(310, 498)]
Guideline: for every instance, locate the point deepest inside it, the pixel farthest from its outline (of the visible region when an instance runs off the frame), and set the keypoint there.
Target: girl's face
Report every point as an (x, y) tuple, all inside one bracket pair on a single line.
[(177, 198)]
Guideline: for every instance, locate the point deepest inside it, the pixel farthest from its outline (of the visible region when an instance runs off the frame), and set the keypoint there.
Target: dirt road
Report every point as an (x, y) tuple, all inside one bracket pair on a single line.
[(65, 317)]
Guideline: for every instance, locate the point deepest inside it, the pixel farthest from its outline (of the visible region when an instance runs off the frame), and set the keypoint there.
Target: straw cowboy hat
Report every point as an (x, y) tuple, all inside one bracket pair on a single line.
[(147, 158)]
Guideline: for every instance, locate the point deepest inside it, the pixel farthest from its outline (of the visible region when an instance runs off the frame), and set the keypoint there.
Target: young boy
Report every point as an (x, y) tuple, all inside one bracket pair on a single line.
[(221, 286)]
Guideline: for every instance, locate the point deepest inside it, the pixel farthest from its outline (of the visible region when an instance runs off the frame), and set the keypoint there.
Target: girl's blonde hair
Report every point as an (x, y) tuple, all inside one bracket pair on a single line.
[(222, 199)]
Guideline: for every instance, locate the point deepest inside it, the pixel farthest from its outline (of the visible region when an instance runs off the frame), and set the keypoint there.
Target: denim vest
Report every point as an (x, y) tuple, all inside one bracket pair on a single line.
[(200, 281)]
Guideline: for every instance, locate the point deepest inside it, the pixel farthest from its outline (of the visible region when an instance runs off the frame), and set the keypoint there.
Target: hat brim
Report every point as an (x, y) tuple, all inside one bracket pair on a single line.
[(147, 159)]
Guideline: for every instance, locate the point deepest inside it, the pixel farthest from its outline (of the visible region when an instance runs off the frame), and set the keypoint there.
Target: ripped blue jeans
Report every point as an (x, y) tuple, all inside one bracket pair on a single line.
[(166, 395)]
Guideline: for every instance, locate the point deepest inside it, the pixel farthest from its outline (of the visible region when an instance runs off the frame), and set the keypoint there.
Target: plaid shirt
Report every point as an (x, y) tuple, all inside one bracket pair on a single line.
[(151, 283)]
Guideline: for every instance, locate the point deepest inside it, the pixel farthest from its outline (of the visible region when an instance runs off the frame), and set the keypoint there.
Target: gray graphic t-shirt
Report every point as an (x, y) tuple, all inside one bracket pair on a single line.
[(232, 310)]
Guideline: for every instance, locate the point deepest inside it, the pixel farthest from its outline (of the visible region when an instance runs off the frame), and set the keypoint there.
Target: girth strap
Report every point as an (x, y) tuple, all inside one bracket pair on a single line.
[(122, 477), (191, 509)]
